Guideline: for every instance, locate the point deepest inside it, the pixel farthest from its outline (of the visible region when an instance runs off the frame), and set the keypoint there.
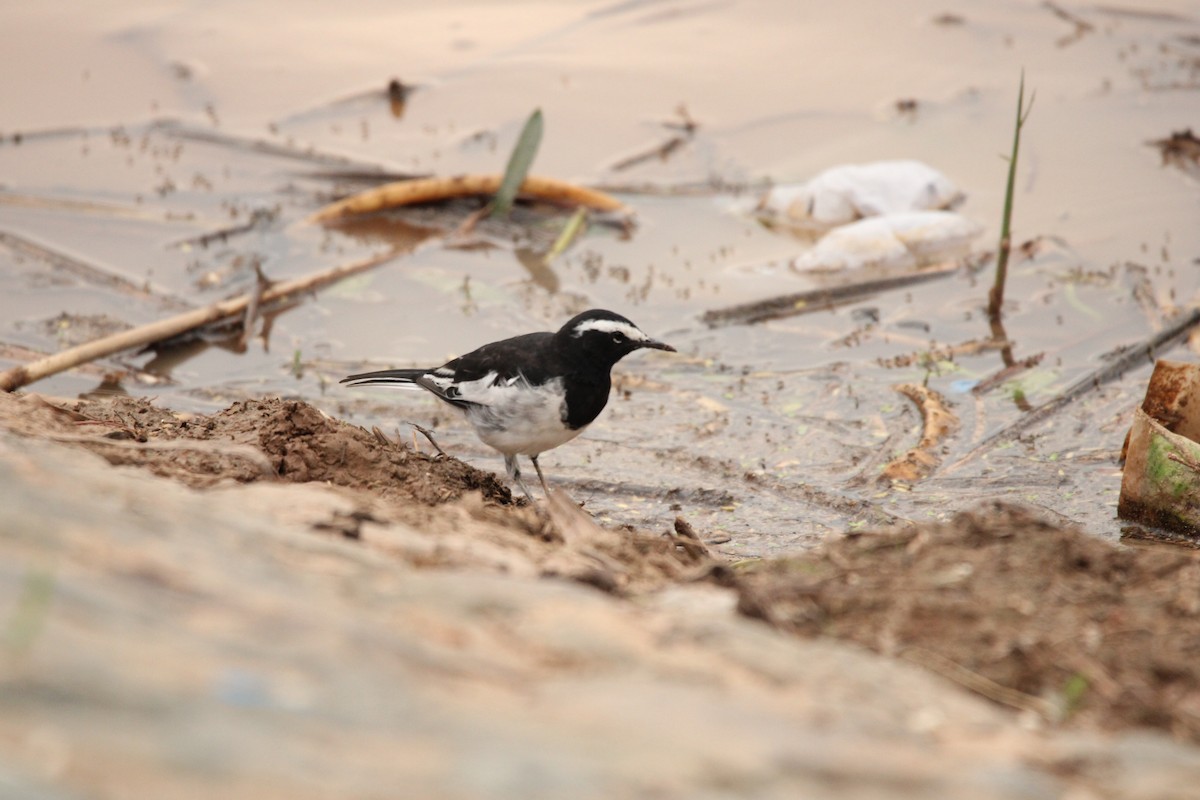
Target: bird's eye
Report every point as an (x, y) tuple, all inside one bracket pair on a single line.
[(618, 338)]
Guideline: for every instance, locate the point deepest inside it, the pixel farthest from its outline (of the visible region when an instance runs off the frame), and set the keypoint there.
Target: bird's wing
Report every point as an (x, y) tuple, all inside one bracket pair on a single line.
[(508, 359), (475, 378)]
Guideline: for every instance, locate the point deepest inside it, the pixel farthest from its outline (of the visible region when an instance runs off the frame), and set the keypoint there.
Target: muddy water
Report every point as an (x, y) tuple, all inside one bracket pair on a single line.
[(132, 132)]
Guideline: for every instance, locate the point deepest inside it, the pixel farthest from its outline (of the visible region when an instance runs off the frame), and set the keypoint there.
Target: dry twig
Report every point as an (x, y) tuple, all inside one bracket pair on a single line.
[(818, 299), (428, 190), (181, 323), (1132, 357), (90, 273), (979, 684)]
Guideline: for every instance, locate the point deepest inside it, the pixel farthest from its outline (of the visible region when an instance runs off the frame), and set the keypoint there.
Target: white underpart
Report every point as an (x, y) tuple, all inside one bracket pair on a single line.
[(515, 417), (631, 332)]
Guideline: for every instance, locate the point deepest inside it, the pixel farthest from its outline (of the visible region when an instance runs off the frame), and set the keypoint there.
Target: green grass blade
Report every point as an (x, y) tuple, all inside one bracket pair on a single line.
[(569, 233), (518, 164), (996, 295)]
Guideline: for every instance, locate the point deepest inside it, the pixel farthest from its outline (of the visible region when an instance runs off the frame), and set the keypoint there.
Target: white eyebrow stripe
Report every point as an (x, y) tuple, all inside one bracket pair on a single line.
[(631, 331)]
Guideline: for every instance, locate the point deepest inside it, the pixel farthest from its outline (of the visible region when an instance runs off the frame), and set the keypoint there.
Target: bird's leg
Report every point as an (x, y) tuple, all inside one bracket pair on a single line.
[(541, 477), (514, 472)]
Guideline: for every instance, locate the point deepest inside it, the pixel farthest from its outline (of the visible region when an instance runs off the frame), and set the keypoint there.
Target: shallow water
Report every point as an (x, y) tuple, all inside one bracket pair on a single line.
[(141, 128)]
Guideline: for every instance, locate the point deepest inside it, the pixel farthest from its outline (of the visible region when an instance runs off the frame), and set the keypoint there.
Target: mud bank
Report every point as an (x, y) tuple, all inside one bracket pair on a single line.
[(269, 615)]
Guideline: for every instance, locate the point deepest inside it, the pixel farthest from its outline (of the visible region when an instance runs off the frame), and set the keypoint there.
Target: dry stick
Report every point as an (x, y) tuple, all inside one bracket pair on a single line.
[(818, 299), (979, 684), (999, 377), (1082, 26), (661, 152), (11, 198), (16, 352), (1130, 358), (428, 434), (174, 326), (690, 189), (427, 190), (686, 128), (179, 130), (254, 299), (18, 137), (258, 218)]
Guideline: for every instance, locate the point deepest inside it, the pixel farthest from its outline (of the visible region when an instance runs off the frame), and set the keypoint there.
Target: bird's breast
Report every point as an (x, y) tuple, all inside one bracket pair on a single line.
[(519, 418)]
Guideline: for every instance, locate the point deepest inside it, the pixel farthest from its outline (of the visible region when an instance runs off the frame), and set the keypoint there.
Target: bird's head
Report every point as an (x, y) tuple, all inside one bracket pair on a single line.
[(606, 336)]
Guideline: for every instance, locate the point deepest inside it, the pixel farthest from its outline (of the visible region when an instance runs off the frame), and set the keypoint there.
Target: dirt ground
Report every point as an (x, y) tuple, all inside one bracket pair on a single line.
[(465, 517), (1032, 615)]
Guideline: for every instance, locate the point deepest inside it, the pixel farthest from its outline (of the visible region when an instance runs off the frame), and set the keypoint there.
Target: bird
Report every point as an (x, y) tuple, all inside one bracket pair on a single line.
[(530, 393)]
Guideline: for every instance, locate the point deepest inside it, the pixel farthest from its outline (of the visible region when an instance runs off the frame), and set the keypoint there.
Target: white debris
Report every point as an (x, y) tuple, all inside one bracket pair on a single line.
[(855, 191), (895, 241)]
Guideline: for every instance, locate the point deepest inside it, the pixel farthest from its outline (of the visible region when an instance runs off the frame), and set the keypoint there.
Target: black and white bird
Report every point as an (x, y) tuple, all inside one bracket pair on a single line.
[(530, 393)]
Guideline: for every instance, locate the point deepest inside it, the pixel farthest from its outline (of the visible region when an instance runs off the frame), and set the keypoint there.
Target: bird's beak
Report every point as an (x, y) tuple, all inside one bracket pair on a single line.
[(656, 345)]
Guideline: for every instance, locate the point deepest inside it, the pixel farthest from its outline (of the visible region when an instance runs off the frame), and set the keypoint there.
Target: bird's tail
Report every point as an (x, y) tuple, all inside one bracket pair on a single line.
[(386, 377)]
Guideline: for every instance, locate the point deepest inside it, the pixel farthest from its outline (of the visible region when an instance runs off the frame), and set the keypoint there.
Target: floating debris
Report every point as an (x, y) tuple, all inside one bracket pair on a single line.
[(895, 241), (847, 193)]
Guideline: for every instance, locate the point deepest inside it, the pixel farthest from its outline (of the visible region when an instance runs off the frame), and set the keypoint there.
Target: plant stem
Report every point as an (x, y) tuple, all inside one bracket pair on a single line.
[(996, 295)]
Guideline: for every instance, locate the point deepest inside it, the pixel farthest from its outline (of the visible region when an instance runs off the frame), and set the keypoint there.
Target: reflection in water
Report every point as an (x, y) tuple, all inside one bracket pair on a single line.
[(168, 356), (535, 261), (1010, 363), (397, 95), (232, 335), (109, 386), (386, 227)]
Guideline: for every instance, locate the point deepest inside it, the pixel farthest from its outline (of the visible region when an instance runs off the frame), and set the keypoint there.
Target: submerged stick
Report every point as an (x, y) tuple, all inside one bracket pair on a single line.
[(938, 423), (90, 273), (181, 323), (1131, 357), (182, 130), (686, 128), (817, 299)]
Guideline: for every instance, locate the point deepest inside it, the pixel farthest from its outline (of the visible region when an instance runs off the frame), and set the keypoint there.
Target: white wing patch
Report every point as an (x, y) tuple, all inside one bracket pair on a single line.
[(632, 332), (486, 391)]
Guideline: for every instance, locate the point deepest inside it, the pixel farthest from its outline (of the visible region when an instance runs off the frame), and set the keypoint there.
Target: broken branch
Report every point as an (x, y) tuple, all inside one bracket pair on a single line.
[(153, 332), (428, 190), (788, 305), (1132, 357)]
